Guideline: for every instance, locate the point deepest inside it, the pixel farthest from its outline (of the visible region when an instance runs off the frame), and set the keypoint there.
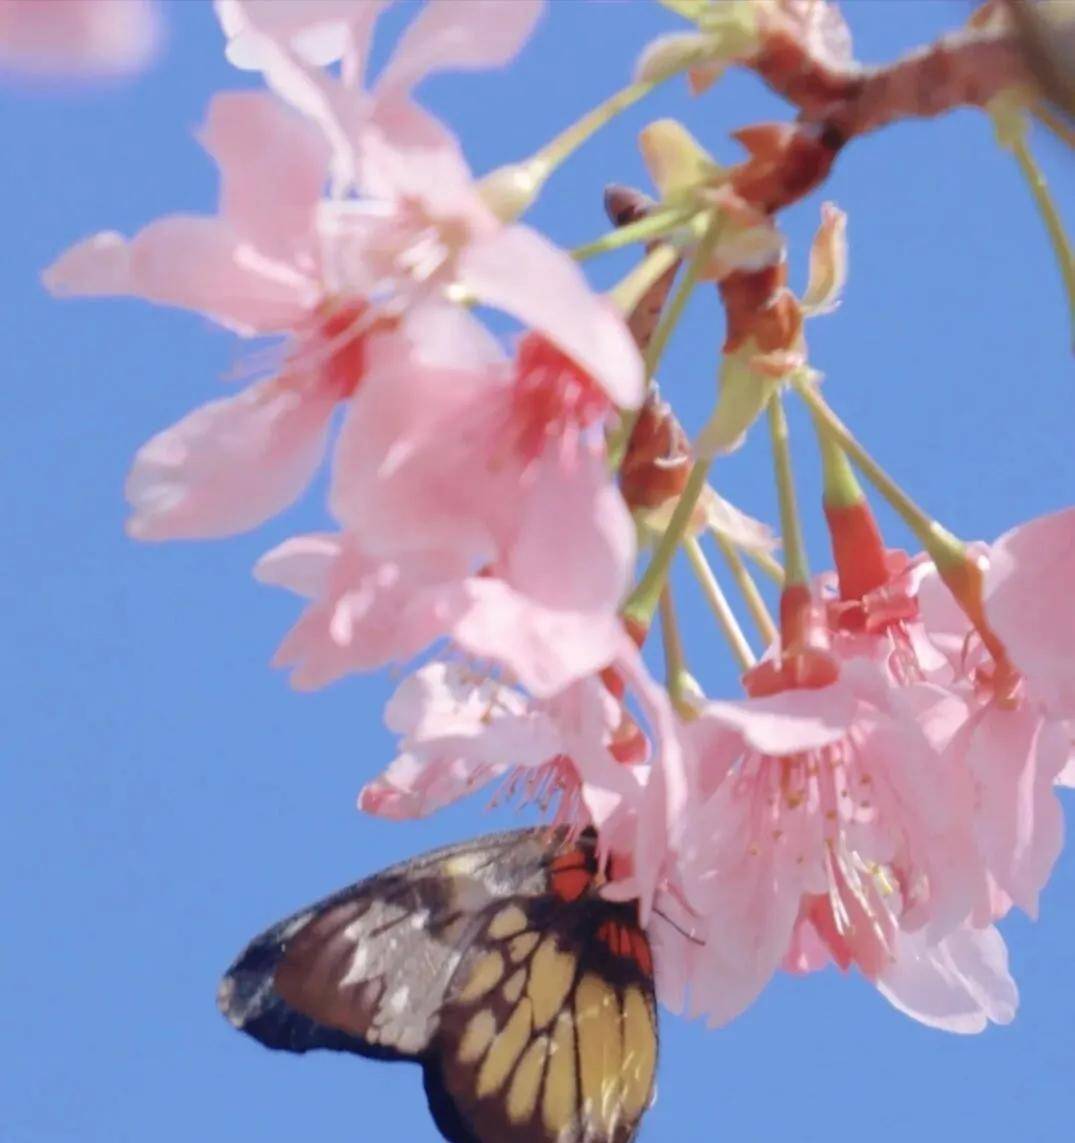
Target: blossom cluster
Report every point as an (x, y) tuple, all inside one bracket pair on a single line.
[(884, 791)]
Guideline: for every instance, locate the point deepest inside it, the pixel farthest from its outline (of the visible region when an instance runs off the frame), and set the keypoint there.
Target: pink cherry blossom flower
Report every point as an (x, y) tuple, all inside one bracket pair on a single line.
[(959, 983), (545, 608), (1014, 739), (827, 804), (254, 268), (501, 463), (78, 37), (422, 227), (460, 730), (258, 267), (580, 747)]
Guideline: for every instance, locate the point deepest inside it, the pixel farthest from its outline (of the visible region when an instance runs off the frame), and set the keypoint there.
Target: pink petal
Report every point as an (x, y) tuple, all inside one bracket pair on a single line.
[(714, 748), (807, 952), (522, 273), (939, 713), (460, 35), (79, 37), (405, 153), (958, 985), (273, 168), (409, 469), (946, 625), (448, 336), (1028, 601), (747, 936), (575, 548), (458, 732), (288, 40), (789, 722), (674, 953), (320, 32), (1066, 777), (1015, 757), (229, 465), (367, 614), (413, 787), (660, 814), (95, 267), (301, 564), (195, 263), (545, 648)]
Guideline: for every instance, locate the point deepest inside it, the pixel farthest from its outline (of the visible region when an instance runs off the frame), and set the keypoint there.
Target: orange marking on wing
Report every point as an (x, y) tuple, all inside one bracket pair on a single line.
[(570, 884), (641, 952), (570, 875)]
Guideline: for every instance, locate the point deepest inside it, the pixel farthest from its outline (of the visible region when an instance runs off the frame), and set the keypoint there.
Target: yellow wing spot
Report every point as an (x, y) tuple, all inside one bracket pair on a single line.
[(598, 1022), (514, 987), (477, 1037), (639, 1053), (552, 973), (505, 1050), (507, 923), (484, 976), (520, 947), (526, 1083), (464, 864), (558, 1104)]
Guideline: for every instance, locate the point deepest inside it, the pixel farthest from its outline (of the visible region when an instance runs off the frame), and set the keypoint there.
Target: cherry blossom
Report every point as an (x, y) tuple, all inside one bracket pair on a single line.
[(255, 268), (824, 804), (1014, 738), (73, 38)]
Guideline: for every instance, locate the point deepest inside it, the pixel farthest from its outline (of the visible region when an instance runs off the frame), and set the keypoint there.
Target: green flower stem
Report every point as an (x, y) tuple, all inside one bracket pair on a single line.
[(571, 138), (670, 318), (653, 226), (1054, 225), (841, 486), (631, 289), (796, 568), (943, 547), (1059, 126), (642, 603), (749, 589), (621, 435), (717, 601), (675, 665)]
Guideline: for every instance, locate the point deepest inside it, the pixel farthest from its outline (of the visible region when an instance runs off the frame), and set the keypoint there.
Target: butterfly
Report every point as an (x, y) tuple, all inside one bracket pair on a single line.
[(525, 996)]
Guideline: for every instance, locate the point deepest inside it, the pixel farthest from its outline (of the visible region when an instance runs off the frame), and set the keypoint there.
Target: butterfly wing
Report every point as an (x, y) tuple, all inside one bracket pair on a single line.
[(366, 969), (548, 1032), (526, 997)]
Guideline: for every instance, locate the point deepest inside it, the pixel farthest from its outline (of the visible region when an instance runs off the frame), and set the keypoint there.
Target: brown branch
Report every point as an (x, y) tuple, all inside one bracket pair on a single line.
[(965, 69), (813, 70)]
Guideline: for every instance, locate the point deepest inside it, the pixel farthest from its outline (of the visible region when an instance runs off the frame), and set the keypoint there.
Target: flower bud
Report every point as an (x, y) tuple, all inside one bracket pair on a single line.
[(510, 191)]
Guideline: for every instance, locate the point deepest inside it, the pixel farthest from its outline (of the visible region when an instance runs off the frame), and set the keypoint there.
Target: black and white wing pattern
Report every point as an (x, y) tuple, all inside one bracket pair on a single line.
[(525, 996)]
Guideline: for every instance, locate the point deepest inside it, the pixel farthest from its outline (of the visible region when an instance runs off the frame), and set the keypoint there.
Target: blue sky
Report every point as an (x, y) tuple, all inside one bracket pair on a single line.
[(166, 795)]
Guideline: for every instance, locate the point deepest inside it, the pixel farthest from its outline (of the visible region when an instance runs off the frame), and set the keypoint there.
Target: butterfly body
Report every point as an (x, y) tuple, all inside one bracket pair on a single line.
[(526, 997)]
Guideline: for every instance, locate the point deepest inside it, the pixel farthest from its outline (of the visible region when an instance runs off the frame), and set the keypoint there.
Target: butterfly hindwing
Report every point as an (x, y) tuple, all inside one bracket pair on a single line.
[(525, 996), (548, 1031)]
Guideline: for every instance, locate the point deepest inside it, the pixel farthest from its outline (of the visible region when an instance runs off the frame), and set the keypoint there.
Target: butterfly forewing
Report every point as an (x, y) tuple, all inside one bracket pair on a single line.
[(526, 997), (333, 975)]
